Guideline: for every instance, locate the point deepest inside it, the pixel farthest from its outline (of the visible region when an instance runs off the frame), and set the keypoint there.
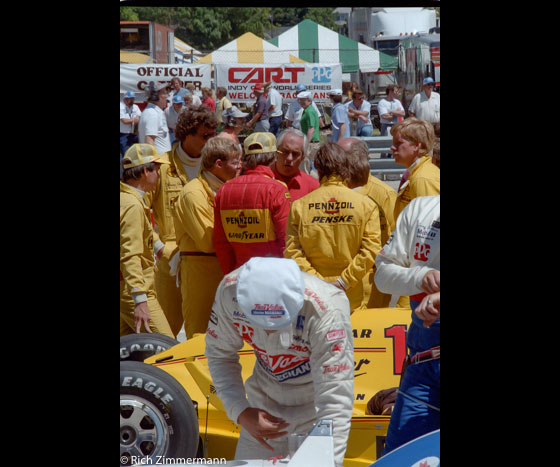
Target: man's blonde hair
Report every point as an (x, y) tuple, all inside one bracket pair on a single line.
[(216, 148), (417, 132)]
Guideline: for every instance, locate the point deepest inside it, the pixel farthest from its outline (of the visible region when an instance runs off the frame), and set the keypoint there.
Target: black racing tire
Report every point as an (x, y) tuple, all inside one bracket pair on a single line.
[(138, 347), (158, 418)]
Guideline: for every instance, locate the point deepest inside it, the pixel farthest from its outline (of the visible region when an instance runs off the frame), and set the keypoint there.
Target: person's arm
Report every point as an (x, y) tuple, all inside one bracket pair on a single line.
[(224, 250), (428, 310), (131, 250), (394, 274), (150, 139), (363, 261), (194, 217), (223, 342), (332, 366)]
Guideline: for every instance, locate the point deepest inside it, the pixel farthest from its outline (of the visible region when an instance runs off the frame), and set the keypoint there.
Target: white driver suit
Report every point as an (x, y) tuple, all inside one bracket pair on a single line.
[(412, 249), (311, 379)]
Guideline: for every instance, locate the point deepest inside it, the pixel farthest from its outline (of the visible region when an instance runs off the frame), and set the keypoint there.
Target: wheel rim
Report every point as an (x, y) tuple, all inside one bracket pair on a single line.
[(144, 432)]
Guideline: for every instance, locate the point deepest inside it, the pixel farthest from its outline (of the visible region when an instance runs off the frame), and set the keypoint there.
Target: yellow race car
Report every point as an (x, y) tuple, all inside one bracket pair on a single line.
[(169, 408)]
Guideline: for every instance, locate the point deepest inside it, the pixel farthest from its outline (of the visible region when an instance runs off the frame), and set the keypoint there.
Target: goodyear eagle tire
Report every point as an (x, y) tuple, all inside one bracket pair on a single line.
[(158, 419), (138, 347)]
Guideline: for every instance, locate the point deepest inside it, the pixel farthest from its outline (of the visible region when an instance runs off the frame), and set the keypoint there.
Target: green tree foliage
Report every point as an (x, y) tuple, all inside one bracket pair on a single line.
[(208, 28)]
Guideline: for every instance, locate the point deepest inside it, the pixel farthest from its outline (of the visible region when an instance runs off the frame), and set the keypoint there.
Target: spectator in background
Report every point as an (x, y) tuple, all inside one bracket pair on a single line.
[(293, 114), (333, 232), (177, 89), (171, 114), (391, 111), (425, 104), (200, 271), (310, 127), (130, 116), (260, 111), (234, 122), (223, 104), (251, 211), (207, 99), (196, 94), (413, 141), (152, 127), (274, 107), (188, 98), (339, 117), (195, 126), (359, 109), (291, 149)]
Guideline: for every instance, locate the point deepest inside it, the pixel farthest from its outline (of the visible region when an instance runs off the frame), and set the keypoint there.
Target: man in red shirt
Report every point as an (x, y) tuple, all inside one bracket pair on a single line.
[(291, 148), (251, 211)]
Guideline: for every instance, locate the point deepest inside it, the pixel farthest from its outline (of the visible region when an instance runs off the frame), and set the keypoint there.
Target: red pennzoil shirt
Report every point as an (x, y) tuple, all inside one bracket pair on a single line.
[(250, 217)]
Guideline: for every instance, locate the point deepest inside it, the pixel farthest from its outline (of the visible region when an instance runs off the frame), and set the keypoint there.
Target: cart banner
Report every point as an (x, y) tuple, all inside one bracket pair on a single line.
[(239, 79), (136, 77)]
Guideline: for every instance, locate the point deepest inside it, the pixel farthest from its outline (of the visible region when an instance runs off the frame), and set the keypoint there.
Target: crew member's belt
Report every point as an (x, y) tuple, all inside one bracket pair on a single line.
[(195, 253), (431, 354)]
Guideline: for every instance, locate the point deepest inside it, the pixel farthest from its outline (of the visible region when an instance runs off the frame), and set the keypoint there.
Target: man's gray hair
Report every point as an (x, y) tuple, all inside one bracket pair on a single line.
[(296, 132)]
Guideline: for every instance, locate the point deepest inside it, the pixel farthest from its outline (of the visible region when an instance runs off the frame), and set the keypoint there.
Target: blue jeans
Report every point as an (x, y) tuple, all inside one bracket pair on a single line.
[(421, 382), (366, 130), (275, 124), (386, 131), (127, 140)]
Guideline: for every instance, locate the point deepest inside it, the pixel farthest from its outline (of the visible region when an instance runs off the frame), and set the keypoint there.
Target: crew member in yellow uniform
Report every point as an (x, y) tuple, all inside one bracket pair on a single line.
[(200, 272), (138, 302), (195, 126), (334, 232), (413, 141), (361, 181)]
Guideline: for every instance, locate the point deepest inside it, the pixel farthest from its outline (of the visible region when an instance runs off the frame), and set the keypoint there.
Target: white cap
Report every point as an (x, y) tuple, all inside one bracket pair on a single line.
[(270, 292), (304, 94), (335, 92)]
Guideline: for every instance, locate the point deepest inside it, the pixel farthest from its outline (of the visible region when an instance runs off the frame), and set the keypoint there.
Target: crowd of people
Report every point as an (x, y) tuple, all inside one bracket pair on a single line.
[(275, 241)]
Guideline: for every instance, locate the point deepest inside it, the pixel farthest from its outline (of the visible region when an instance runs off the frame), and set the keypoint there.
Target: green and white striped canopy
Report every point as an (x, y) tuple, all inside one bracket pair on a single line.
[(316, 44)]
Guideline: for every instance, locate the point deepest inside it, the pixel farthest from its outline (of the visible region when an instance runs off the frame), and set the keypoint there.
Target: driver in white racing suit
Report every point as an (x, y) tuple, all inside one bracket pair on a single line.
[(299, 327)]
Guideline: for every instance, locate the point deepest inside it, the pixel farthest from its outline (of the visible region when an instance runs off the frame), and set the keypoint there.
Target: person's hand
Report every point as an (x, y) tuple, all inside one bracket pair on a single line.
[(159, 253), (428, 310), (142, 316), (382, 402), (430, 282), (261, 425)]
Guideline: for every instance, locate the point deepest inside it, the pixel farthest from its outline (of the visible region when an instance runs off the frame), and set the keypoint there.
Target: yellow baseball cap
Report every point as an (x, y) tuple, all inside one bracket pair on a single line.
[(260, 142), (140, 154)]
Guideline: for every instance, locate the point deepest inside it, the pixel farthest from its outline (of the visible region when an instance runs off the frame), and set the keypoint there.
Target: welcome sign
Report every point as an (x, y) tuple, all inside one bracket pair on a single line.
[(239, 79)]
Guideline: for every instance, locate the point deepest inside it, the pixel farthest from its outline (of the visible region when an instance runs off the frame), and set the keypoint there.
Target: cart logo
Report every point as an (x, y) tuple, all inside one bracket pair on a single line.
[(265, 74)]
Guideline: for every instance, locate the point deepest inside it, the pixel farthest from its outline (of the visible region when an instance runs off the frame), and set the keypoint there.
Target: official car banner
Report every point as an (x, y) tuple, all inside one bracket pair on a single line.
[(136, 77), (239, 79)]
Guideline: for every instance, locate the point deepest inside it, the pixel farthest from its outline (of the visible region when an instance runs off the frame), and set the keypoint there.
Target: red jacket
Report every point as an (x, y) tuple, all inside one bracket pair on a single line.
[(250, 217), (298, 185)]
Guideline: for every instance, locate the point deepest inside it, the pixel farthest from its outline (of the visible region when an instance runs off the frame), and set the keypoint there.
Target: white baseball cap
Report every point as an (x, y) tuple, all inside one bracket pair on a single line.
[(270, 292), (304, 94), (335, 92)]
